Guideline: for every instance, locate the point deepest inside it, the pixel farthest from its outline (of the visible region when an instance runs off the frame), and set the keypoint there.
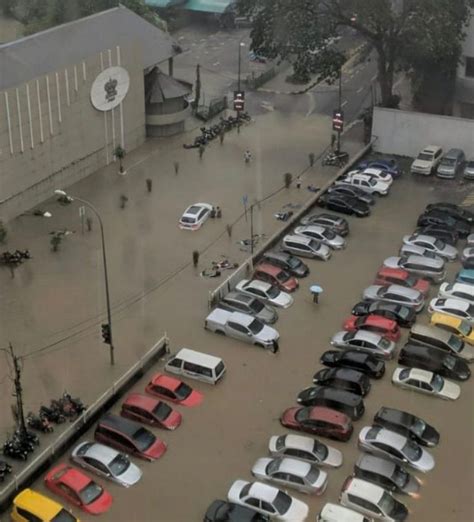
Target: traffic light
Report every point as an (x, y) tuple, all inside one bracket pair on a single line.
[(106, 333), (239, 100), (338, 121)]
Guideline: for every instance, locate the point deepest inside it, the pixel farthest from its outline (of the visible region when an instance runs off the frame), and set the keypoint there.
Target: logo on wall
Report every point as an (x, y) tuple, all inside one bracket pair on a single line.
[(110, 88)]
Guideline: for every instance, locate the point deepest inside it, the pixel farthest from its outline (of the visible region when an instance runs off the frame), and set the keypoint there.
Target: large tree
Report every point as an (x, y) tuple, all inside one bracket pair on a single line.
[(404, 33)]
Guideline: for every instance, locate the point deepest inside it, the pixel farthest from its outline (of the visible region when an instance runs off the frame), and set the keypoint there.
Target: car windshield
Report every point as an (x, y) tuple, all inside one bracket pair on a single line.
[(187, 219), (329, 234), (404, 374), (282, 502), (90, 493), (403, 312), (386, 503), (162, 410), (302, 415), (283, 276), (437, 382), (256, 326), (183, 391), (313, 475), (418, 427), (439, 244), (293, 262), (119, 465), (384, 343), (400, 477), (372, 182), (448, 162), (273, 292), (449, 362), (424, 156), (64, 516), (464, 328), (256, 306), (321, 450), (273, 467), (455, 343), (412, 451), (143, 438)]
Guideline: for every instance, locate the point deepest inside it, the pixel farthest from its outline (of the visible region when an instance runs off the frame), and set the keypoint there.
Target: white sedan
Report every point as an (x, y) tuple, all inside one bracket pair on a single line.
[(265, 291), (325, 235), (455, 307), (432, 244), (267, 500), (377, 174), (194, 216), (426, 382), (457, 291)]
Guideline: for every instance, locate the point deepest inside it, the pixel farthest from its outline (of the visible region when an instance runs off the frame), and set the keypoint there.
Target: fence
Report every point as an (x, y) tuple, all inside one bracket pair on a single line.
[(81, 424), (254, 82), (216, 106)]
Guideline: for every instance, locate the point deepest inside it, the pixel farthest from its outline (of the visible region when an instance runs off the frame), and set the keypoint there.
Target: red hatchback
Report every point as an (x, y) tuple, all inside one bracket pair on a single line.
[(173, 390), (151, 411), (318, 420), (76, 487), (276, 276), (398, 276), (373, 323)]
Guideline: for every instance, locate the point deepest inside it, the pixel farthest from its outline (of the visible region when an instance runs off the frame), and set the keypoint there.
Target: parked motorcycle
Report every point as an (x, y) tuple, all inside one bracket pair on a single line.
[(5, 469), (39, 422), (52, 414), (336, 158)]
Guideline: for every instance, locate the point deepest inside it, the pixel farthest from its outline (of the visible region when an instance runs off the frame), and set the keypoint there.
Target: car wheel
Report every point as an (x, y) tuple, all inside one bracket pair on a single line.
[(220, 332), (260, 345)]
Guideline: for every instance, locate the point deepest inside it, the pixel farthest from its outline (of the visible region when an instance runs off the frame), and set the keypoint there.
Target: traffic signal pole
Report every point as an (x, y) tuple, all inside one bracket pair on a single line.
[(340, 109)]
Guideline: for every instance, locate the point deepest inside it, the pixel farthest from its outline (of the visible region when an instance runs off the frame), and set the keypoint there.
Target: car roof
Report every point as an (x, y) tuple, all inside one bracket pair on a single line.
[(425, 261), (196, 357), (299, 441), (272, 254), (430, 331), (424, 237), (165, 380), (364, 489), (296, 467), (419, 375), (195, 208), (378, 320), (120, 424), (313, 228), (403, 290), (340, 513), (344, 396), (345, 373), (268, 268), (239, 296), (37, 503), (462, 287), (393, 272), (141, 401), (395, 416), (101, 452), (440, 317), (261, 285), (305, 240), (390, 437), (328, 414), (377, 464), (72, 477), (431, 148), (452, 302), (263, 491), (368, 336)]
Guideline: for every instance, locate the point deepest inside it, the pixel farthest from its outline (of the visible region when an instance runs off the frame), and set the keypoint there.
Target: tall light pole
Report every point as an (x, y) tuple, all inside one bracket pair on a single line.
[(107, 331), (240, 103), (340, 109)]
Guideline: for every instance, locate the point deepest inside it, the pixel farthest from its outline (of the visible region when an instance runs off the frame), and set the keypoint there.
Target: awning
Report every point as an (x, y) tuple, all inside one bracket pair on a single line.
[(208, 6)]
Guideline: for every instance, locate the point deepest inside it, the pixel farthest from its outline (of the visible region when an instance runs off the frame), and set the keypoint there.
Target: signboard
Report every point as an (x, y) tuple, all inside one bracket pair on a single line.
[(338, 121), (239, 100), (110, 88)]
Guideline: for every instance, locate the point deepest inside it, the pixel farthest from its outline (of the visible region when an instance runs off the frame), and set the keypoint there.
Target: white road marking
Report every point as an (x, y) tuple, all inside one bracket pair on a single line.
[(312, 104), (344, 103), (359, 90)]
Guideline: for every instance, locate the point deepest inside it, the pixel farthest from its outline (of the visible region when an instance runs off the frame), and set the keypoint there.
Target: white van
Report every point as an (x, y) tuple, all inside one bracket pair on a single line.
[(196, 365), (337, 513)]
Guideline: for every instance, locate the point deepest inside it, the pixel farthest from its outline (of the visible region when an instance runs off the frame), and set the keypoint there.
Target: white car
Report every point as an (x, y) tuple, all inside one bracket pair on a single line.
[(267, 500), (421, 266), (457, 291), (305, 448), (194, 216), (470, 240), (424, 381), (377, 174), (366, 183), (323, 234), (414, 250), (432, 244), (364, 341), (427, 160), (265, 291), (292, 473), (395, 294), (455, 307)]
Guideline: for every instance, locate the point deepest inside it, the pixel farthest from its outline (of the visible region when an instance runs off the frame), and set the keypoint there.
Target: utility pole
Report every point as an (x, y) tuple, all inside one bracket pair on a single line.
[(18, 391), (340, 109), (251, 228)]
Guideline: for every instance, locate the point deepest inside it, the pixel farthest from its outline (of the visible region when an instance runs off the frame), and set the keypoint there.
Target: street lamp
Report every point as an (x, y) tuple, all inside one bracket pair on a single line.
[(240, 102), (108, 329), (241, 44)]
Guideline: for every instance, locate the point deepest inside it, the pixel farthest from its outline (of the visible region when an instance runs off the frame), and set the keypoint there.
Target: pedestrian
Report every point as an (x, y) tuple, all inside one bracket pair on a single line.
[(176, 168), (202, 148), (298, 182), (247, 156), (333, 140), (315, 290), (213, 213), (89, 224), (195, 258), (275, 347), (228, 228), (221, 136), (218, 212), (149, 184), (311, 158)]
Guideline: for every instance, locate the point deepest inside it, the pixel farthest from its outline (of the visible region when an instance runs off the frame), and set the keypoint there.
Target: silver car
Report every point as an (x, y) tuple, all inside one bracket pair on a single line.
[(400, 449), (106, 462), (332, 221), (432, 244), (306, 247), (414, 250), (418, 265), (467, 256), (363, 341), (457, 291), (423, 381), (292, 473), (455, 307), (325, 235), (395, 294), (247, 304), (469, 169)]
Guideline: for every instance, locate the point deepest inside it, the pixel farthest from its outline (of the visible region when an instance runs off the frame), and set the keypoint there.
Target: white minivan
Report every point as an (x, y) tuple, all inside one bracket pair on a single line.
[(196, 365)]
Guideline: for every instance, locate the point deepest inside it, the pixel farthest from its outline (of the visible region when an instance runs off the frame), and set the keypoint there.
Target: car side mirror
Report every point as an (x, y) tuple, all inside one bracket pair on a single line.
[(249, 334)]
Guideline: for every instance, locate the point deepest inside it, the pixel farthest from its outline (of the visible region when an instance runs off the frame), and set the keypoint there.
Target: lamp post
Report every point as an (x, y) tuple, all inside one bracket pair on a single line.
[(241, 44), (109, 339)]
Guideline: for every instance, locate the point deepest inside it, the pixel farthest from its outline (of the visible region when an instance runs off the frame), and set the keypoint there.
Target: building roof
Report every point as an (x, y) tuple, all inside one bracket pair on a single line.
[(68, 44), (160, 87), (208, 6)]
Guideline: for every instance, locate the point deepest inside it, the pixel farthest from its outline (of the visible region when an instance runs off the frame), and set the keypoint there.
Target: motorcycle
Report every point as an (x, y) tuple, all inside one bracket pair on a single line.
[(335, 158), (39, 422), (5, 469), (52, 414)]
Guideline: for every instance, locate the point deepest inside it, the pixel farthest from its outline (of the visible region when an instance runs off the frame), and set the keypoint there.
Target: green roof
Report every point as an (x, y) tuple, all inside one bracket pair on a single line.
[(208, 6), (163, 3)]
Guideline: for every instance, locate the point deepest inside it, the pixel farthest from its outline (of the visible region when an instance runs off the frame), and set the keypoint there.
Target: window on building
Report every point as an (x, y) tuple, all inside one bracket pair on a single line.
[(469, 66)]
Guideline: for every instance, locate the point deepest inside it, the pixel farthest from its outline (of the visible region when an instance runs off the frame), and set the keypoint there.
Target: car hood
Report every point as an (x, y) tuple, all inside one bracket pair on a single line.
[(288, 416), (283, 299), (267, 333), (194, 399), (449, 251), (371, 292), (422, 164), (298, 512), (235, 489), (334, 457), (267, 315), (467, 353), (131, 475), (430, 436), (425, 463), (329, 356), (338, 241), (259, 468), (338, 339), (451, 390)]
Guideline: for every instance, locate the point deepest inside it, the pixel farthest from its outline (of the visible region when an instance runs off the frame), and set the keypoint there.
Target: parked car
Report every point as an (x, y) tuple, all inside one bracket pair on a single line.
[(376, 174), (148, 410), (427, 382), (414, 250), (373, 323), (129, 436), (332, 221), (399, 276), (372, 500), (343, 379), (453, 210), (276, 276), (360, 361), (403, 315), (267, 500), (395, 294), (174, 390), (427, 160), (443, 232), (465, 276), (363, 341), (247, 304), (453, 325), (396, 447), (107, 463), (439, 217), (386, 474), (336, 513), (243, 327), (268, 293), (435, 360), (222, 511), (432, 244), (344, 204), (389, 165), (31, 505), (291, 473), (457, 291), (470, 240), (455, 307), (287, 262), (420, 266), (467, 258), (469, 169), (367, 183), (322, 234), (194, 216), (318, 420), (305, 448), (306, 247), (346, 402), (438, 338), (346, 189), (451, 163), (78, 489), (408, 425)]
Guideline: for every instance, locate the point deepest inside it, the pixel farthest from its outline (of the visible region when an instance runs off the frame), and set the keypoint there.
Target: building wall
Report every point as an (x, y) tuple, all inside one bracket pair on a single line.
[(51, 136), (464, 95)]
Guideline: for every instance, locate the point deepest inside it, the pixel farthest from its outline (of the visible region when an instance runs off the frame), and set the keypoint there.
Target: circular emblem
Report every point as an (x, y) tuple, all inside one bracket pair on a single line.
[(110, 88)]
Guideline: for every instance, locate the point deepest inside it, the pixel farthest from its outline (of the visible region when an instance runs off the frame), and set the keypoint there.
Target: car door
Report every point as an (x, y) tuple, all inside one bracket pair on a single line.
[(97, 466), (69, 494), (239, 331)]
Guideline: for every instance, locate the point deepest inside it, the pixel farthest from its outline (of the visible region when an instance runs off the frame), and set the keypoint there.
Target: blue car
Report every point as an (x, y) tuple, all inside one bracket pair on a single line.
[(465, 276), (389, 165)]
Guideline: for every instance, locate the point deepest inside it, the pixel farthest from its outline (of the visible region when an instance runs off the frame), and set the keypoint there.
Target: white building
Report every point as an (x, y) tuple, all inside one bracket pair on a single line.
[(464, 94)]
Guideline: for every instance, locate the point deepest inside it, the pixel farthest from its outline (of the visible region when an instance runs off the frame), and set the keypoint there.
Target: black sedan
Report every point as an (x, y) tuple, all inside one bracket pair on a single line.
[(354, 192), (403, 315), (344, 379), (344, 204), (438, 217), (453, 210), (346, 402), (448, 235), (407, 424), (360, 361), (222, 511)]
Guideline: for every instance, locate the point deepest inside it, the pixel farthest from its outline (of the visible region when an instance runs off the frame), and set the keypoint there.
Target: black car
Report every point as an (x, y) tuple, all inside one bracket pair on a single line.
[(291, 264), (336, 223), (453, 210), (344, 379), (438, 217), (354, 192), (346, 402), (222, 511), (403, 315), (448, 235), (434, 360), (408, 425), (363, 362), (344, 204)]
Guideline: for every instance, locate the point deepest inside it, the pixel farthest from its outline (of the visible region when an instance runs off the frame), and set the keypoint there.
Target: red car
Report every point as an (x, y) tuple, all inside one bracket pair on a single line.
[(276, 276), (76, 487), (373, 323), (173, 390), (151, 411), (318, 420), (398, 276)]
